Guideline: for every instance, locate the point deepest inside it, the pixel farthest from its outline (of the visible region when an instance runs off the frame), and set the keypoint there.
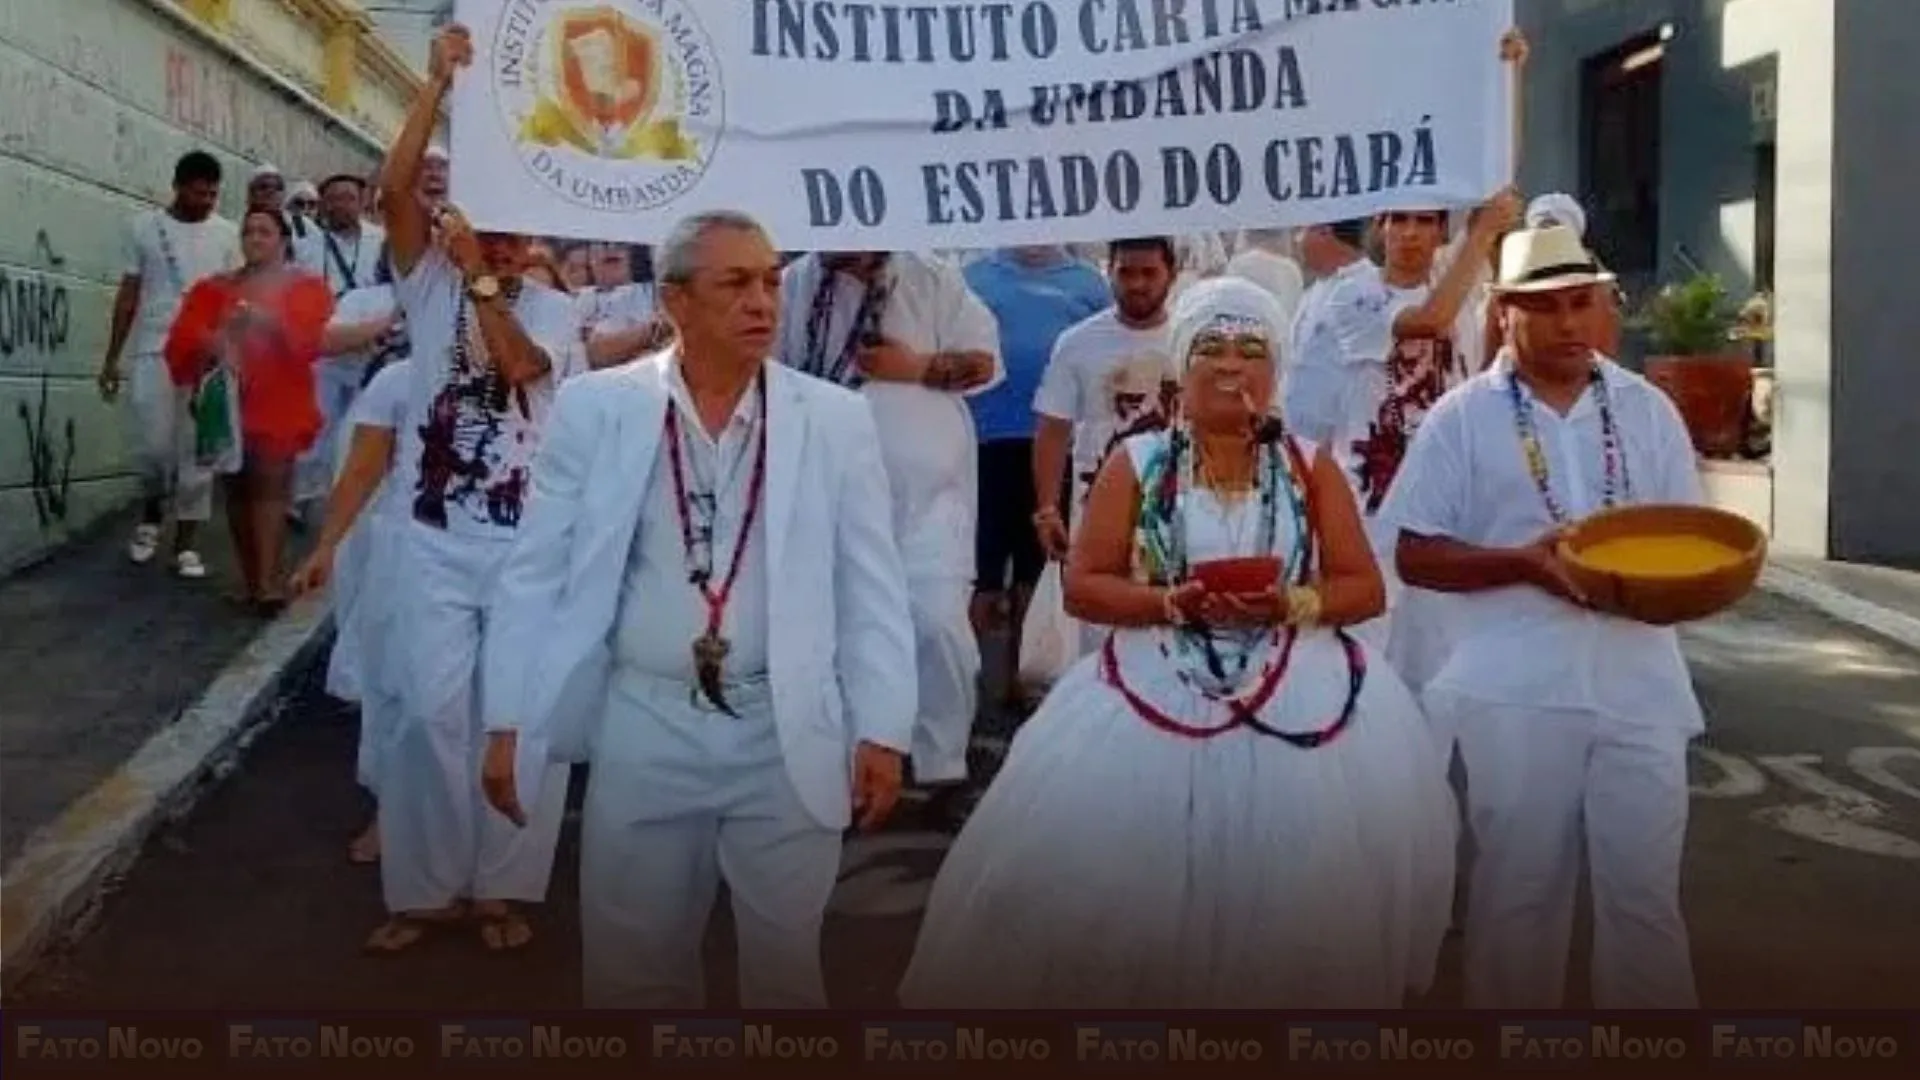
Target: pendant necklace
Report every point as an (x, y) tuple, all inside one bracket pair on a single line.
[(710, 649)]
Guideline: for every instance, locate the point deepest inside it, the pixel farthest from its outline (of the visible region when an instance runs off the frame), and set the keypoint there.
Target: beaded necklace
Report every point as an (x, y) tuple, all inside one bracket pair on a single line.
[(1615, 483), (174, 272), (1161, 547), (866, 324)]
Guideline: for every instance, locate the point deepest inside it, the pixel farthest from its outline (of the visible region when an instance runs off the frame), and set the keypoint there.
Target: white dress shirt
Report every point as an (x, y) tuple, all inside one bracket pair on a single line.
[(661, 611), (1466, 477)]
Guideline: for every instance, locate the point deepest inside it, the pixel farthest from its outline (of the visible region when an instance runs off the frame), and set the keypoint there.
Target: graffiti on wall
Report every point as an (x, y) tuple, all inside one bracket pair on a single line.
[(35, 317)]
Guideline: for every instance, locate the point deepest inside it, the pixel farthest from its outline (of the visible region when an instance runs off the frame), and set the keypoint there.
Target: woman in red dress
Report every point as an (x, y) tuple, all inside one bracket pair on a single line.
[(262, 324)]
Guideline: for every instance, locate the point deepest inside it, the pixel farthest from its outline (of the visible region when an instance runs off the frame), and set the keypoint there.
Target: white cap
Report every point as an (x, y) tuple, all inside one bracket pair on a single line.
[(1557, 208), (437, 151), (265, 169), (303, 190)]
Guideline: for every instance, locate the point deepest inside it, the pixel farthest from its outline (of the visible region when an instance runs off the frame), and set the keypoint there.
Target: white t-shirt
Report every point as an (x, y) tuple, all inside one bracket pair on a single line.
[(168, 256), (477, 436), (607, 311), (611, 311), (383, 404), (1277, 274), (1105, 378), (348, 265), (365, 305)]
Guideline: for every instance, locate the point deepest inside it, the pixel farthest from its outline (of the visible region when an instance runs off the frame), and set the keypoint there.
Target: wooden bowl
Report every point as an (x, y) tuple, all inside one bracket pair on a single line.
[(1251, 574), (1601, 552)]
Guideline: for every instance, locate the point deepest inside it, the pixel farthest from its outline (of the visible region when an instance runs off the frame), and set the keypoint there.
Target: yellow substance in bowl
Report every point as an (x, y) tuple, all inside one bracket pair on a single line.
[(1659, 556)]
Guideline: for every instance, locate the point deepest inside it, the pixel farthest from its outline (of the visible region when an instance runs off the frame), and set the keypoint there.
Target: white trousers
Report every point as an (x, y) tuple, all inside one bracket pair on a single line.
[(439, 839), (948, 657), (336, 385), (679, 798), (164, 441), (1541, 784)]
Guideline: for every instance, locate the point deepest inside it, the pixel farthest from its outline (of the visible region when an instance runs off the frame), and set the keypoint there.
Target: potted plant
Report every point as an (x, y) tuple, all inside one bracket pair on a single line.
[(1700, 354)]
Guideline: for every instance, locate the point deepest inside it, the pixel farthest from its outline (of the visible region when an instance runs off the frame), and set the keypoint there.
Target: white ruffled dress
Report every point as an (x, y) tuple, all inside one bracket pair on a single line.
[(1114, 864)]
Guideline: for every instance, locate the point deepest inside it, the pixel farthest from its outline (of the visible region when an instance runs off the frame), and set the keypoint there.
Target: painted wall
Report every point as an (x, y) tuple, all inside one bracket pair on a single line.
[(1707, 181), (1876, 324), (1720, 48), (102, 96)]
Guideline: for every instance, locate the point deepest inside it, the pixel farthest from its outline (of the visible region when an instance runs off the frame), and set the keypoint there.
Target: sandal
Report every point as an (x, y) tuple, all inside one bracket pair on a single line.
[(400, 933), (504, 931)]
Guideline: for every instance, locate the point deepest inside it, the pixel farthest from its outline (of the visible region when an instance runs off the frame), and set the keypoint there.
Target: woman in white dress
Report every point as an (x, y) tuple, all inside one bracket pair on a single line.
[(1231, 804)]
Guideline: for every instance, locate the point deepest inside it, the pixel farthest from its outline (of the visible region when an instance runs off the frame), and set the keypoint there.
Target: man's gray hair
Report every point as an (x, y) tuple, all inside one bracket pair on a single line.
[(678, 255)]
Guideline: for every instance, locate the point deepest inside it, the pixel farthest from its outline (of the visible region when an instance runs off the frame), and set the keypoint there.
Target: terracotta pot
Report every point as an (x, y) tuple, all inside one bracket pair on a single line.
[(1664, 601), (1713, 393)]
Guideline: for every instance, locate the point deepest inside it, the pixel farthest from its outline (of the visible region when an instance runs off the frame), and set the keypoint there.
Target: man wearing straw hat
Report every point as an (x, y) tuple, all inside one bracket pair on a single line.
[(1573, 724)]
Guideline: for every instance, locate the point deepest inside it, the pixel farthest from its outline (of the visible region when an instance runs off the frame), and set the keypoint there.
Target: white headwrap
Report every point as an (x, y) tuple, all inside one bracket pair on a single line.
[(303, 190), (1229, 304), (1557, 208)]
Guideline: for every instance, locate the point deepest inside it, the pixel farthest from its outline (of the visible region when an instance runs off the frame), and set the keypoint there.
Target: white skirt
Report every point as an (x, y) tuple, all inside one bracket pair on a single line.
[(1115, 865)]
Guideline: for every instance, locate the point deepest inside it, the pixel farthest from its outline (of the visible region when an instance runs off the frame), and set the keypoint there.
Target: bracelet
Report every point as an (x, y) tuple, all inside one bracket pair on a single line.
[(1303, 606), (1041, 517), (1175, 617)]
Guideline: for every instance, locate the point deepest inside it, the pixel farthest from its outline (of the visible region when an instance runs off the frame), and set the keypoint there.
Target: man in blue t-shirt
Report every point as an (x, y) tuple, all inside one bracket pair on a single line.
[(1035, 293)]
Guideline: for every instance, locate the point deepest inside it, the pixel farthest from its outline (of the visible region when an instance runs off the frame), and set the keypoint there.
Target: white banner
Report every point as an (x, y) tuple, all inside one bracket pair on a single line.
[(915, 125)]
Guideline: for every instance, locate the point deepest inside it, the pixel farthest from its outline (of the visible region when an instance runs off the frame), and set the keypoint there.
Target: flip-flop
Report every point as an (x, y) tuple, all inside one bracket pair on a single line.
[(401, 933), (505, 932)]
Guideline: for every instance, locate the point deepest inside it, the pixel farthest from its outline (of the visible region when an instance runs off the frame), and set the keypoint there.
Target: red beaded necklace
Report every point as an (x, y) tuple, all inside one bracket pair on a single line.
[(710, 648)]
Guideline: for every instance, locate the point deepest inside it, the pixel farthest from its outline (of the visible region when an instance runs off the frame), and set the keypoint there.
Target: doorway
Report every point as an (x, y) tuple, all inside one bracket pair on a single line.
[(1620, 104)]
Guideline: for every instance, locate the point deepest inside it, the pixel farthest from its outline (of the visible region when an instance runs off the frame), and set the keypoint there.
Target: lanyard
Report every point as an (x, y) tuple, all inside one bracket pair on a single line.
[(346, 268)]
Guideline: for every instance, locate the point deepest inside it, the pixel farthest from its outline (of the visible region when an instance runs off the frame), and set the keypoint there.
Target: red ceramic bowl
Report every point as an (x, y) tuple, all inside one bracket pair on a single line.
[(1251, 574)]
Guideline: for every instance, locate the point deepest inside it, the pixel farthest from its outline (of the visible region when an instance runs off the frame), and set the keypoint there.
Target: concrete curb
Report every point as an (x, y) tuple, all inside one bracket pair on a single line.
[(49, 890), (1895, 626)]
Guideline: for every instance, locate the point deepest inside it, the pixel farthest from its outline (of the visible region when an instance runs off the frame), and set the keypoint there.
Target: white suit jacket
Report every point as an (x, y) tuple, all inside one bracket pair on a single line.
[(840, 651)]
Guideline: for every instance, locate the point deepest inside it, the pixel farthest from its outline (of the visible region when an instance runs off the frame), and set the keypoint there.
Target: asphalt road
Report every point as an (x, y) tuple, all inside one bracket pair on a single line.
[(1802, 875)]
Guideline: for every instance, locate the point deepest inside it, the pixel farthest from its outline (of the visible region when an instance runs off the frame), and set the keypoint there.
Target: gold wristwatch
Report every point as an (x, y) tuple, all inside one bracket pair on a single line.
[(483, 288)]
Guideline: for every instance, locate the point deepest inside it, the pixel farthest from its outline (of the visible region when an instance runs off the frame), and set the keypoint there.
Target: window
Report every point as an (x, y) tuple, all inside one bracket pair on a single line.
[(1620, 156)]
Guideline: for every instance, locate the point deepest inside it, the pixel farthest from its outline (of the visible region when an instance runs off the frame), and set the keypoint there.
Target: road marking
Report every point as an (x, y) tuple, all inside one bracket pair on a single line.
[(1842, 818), (1739, 779), (1871, 762)]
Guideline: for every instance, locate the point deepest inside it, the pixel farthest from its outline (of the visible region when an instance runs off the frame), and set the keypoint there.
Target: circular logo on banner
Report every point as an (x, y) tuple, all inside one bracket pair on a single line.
[(614, 105)]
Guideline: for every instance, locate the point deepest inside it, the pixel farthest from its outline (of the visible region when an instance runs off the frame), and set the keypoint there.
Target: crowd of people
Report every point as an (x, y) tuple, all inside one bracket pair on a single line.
[(731, 525)]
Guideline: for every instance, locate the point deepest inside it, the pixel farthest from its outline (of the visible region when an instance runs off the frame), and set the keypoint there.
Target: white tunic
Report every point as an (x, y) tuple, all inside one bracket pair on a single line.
[(928, 443), (926, 436)]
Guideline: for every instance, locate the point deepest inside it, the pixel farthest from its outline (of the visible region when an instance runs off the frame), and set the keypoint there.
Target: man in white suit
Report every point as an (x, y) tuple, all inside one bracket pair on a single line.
[(707, 603)]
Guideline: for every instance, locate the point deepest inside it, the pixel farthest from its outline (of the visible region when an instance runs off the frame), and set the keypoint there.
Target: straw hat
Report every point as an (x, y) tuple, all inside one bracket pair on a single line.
[(1546, 259)]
